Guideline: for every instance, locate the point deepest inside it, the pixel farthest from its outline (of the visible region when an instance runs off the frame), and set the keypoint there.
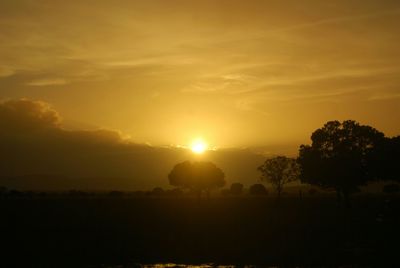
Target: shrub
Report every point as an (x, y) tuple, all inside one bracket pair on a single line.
[(236, 188), (258, 189)]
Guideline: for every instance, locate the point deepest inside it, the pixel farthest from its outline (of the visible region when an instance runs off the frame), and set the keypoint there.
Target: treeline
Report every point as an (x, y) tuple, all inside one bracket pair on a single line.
[(156, 192), (342, 156), (235, 190)]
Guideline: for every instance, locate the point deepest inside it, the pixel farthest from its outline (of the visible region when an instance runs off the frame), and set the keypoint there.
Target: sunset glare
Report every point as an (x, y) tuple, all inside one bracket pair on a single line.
[(198, 146)]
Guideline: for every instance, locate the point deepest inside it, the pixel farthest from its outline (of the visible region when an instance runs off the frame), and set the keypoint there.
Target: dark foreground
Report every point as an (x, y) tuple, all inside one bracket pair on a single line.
[(91, 232)]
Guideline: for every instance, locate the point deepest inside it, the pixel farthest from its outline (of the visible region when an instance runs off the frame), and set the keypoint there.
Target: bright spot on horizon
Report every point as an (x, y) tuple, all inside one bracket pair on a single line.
[(198, 146)]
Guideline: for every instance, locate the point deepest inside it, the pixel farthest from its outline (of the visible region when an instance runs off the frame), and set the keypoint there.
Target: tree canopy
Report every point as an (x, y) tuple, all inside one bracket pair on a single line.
[(338, 156), (197, 175), (383, 162), (279, 171), (258, 189)]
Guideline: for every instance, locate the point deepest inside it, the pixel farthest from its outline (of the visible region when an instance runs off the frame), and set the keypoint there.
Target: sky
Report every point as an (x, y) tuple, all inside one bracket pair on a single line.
[(238, 74)]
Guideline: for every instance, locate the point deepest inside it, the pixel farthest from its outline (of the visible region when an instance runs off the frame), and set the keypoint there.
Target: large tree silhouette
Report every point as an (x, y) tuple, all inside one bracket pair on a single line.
[(279, 171), (383, 162), (338, 156), (198, 176)]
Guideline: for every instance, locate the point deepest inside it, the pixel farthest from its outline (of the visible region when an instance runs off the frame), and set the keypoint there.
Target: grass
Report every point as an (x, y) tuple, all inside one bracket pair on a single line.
[(293, 232)]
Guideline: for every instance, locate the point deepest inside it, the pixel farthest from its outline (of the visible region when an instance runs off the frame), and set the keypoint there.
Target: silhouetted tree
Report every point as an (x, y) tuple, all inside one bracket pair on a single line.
[(258, 189), (198, 176), (338, 156), (279, 171), (236, 188), (384, 160)]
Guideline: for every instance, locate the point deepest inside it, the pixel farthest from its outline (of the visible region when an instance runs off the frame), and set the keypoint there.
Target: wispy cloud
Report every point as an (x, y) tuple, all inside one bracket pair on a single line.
[(238, 84), (47, 82), (328, 21), (225, 83)]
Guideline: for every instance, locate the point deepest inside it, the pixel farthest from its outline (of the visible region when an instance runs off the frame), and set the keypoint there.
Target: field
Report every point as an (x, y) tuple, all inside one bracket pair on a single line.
[(89, 232)]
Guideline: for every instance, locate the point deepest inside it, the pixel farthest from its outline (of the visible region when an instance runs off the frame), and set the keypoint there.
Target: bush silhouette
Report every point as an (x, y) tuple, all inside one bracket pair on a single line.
[(258, 189), (236, 188)]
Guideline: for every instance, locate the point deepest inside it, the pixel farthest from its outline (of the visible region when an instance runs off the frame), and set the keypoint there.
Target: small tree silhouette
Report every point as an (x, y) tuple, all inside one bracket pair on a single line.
[(198, 176), (236, 188), (279, 171), (258, 189)]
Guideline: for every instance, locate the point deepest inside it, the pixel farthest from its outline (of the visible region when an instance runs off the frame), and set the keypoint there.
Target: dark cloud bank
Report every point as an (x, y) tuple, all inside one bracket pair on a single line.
[(37, 153)]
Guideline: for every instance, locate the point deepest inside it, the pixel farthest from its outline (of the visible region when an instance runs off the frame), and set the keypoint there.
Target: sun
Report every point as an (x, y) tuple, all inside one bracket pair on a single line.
[(198, 147)]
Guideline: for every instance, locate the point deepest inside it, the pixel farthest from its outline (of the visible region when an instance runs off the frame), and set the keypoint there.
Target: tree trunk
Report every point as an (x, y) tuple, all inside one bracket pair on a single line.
[(279, 190)]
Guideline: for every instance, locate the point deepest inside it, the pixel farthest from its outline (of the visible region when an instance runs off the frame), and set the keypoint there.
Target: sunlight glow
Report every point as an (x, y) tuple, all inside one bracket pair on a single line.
[(198, 146)]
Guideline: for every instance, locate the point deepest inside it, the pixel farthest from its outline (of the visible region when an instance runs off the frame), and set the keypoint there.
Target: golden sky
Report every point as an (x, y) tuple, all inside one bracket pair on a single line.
[(235, 73)]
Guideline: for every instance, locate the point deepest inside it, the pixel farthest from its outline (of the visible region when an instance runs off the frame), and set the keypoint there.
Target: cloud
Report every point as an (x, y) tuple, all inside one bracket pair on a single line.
[(294, 83), (38, 153), (225, 83), (26, 115), (47, 82), (336, 20), (5, 72)]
